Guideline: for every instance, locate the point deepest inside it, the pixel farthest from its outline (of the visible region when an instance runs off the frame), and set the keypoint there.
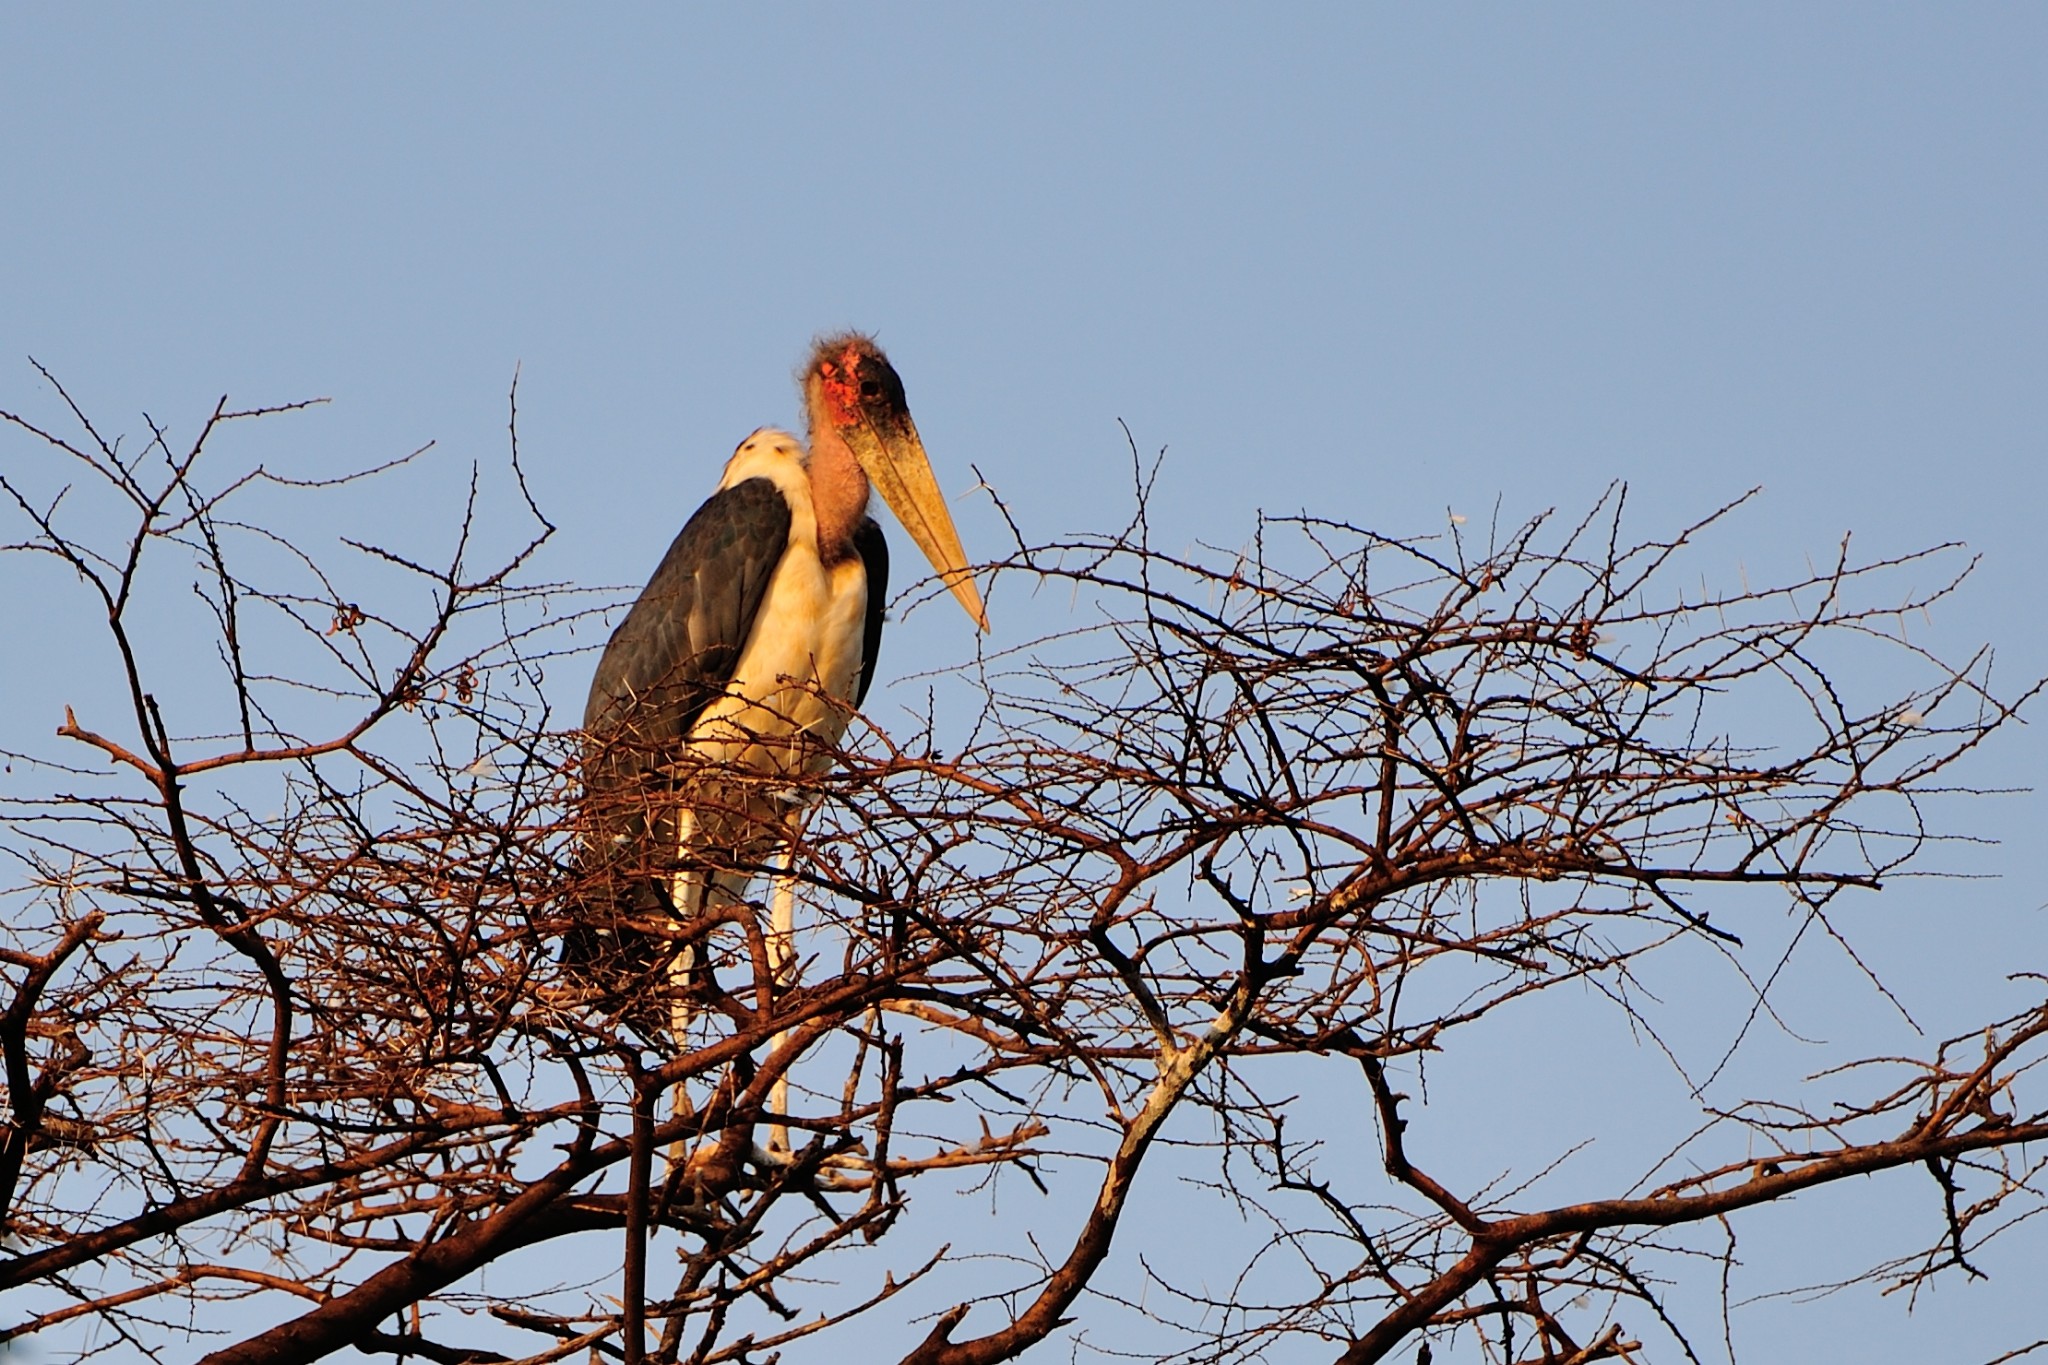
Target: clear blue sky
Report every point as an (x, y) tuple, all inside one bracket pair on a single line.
[(1374, 261)]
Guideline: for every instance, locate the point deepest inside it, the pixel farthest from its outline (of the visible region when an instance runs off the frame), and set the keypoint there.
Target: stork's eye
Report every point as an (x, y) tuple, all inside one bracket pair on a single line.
[(871, 388)]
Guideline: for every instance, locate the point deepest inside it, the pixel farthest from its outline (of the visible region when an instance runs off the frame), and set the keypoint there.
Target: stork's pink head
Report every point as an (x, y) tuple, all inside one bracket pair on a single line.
[(849, 381), (855, 403)]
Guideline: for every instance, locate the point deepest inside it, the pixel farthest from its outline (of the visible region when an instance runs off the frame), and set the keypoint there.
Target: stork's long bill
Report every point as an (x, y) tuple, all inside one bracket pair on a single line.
[(852, 386)]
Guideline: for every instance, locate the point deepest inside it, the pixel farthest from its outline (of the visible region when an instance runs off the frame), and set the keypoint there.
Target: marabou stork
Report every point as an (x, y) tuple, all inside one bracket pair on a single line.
[(751, 644)]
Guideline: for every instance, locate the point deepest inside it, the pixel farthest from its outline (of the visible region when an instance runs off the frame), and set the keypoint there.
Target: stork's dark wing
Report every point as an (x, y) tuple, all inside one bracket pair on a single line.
[(874, 554), (677, 647), (669, 659)]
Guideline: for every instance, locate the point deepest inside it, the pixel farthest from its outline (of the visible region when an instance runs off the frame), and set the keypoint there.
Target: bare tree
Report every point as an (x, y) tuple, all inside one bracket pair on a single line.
[(291, 1060)]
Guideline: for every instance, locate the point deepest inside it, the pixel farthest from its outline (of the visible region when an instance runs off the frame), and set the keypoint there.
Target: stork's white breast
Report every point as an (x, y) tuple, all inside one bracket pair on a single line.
[(802, 657)]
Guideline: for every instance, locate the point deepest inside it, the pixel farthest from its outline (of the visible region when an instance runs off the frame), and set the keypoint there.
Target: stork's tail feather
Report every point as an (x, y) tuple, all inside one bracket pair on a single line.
[(623, 968)]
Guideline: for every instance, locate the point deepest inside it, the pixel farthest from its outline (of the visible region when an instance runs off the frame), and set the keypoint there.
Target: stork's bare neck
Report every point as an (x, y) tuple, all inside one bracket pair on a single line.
[(839, 493), (834, 404)]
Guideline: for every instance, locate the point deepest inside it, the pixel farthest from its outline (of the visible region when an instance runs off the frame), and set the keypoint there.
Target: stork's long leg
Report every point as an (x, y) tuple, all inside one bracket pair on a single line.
[(687, 889), (692, 892), (781, 954)]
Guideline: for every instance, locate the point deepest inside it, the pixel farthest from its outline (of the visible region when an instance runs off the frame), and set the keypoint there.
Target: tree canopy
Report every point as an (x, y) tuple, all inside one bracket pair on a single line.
[(1189, 901)]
